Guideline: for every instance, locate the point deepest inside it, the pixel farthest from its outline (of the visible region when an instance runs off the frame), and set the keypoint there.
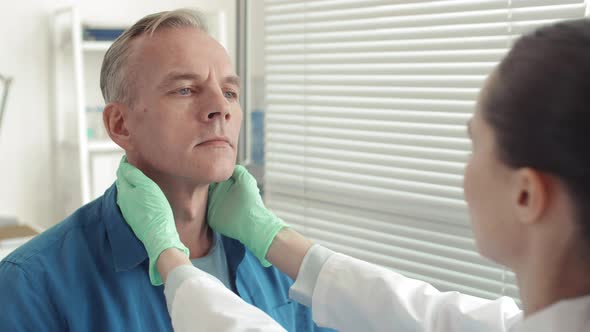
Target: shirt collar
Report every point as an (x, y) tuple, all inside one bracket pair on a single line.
[(235, 252), (128, 251)]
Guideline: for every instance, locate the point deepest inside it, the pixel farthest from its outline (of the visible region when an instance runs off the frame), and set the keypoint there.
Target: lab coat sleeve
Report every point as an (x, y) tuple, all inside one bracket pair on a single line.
[(353, 295), (309, 271), (198, 301)]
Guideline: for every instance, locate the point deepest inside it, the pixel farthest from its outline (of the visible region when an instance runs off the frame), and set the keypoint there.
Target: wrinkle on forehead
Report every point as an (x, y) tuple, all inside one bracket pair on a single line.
[(168, 47)]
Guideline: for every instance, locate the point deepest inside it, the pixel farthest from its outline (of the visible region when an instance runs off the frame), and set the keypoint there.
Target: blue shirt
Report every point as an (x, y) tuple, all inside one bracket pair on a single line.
[(215, 262), (89, 273)]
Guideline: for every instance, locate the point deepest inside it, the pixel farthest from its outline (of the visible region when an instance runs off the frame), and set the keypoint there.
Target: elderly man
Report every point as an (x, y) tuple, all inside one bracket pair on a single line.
[(172, 104)]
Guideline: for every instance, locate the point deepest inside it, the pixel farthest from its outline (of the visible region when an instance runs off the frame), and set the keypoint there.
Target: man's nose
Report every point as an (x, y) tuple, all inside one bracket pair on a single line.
[(217, 106)]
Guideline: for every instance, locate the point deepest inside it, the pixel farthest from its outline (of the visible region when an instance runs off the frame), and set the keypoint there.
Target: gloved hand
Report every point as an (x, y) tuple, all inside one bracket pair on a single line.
[(147, 211), (235, 209)]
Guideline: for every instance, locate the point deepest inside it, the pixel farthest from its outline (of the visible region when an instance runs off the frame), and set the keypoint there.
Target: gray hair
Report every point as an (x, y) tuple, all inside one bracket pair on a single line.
[(115, 79)]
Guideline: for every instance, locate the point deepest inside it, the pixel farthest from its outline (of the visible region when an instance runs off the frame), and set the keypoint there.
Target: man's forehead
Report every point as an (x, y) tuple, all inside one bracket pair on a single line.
[(178, 52), (188, 43)]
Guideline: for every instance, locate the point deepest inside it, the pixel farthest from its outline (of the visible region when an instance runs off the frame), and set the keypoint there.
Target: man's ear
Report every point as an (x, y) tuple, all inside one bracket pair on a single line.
[(533, 191), (114, 117)]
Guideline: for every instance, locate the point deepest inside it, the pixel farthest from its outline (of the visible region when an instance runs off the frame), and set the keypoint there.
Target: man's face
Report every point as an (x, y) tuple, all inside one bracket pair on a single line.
[(185, 119)]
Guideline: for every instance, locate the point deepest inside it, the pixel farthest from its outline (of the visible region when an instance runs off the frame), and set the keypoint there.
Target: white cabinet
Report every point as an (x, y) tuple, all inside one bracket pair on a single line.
[(85, 157)]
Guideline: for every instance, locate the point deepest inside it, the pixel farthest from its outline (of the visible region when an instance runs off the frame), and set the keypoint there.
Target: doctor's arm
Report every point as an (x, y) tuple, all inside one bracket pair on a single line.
[(345, 293), (348, 294), (198, 301)]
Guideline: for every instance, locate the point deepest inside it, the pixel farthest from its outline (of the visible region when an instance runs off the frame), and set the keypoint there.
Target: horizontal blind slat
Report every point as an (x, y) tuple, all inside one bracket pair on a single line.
[(428, 255), (460, 94), (375, 102), (372, 8), (314, 60), (359, 146), (405, 126), (291, 154), (377, 182), (433, 44), (382, 78), (390, 171), (297, 113)]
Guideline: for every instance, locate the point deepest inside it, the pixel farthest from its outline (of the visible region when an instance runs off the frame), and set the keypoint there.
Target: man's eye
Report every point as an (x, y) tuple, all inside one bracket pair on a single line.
[(184, 91), (230, 95)]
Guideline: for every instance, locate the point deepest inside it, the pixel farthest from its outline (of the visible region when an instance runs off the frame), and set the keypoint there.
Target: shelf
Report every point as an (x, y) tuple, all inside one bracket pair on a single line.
[(103, 146), (96, 46)]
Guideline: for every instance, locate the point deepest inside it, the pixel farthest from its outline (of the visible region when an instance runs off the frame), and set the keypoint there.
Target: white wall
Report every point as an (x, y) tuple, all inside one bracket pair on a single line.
[(26, 164)]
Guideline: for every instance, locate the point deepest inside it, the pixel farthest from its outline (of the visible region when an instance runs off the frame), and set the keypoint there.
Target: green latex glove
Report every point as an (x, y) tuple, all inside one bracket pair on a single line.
[(147, 211), (236, 210)]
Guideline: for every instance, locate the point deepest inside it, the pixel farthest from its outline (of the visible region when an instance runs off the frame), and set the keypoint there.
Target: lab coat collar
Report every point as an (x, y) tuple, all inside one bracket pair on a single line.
[(568, 315), (128, 251)]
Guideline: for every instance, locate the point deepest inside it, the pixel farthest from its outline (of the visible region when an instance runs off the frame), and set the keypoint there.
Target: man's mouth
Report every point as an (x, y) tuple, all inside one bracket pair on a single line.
[(219, 141)]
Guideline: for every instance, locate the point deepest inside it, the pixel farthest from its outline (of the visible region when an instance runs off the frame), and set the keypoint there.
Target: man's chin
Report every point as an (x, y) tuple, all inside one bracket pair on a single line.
[(214, 167), (220, 174), (221, 177)]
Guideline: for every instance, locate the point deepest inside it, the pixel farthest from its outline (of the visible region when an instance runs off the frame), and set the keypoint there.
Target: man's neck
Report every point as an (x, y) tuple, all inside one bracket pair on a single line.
[(189, 205)]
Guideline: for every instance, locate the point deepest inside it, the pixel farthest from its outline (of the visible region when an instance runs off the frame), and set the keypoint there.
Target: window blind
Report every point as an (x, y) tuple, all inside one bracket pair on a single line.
[(366, 143)]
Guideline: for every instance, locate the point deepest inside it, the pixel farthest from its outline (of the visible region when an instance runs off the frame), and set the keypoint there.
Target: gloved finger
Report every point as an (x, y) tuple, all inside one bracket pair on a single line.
[(239, 173), (212, 187), (245, 178), (219, 189), (239, 170), (133, 175), (122, 183), (121, 173), (124, 167)]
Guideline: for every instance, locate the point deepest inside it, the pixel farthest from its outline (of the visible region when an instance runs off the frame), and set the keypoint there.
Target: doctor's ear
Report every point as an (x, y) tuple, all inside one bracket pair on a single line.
[(532, 194), (114, 118)]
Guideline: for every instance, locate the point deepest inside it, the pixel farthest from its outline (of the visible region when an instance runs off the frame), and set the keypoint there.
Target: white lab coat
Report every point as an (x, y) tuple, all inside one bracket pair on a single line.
[(202, 303), (352, 295)]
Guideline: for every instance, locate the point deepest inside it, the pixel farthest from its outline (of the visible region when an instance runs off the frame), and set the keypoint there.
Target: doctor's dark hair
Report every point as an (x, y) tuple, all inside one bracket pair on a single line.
[(538, 105)]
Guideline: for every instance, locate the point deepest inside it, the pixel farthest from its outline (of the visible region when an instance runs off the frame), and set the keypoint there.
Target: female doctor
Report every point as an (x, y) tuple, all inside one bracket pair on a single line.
[(527, 185)]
